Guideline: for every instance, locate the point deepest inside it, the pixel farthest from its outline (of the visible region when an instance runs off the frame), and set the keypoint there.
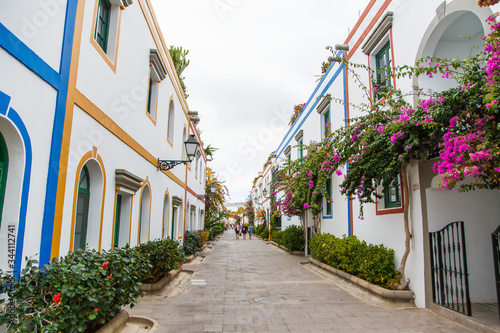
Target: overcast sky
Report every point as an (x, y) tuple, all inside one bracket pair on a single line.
[(251, 62)]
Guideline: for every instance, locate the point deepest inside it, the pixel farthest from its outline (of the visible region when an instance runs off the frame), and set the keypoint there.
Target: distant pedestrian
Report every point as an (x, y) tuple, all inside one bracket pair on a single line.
[(236, 230), (244, 231), (250, 231)]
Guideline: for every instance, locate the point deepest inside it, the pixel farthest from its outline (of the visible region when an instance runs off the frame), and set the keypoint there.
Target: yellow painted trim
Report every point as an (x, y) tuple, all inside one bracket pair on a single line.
[(114, 218), (165, 57), (103, 170), (68, 123), (130, 226), (92, 110), (146, 182), (163, 213), (88, 156), (111, 64)]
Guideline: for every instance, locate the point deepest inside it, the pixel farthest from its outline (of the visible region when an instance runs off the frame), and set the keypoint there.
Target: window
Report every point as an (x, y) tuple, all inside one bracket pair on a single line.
[(145, 209), (102, 24), (122, 219), (118, 212), (383, 66), (327, 200), (174, 223), (166, 215), (157, 72), (392, 195), (82, 210), (300, 154), (170, 133), (4, 163)]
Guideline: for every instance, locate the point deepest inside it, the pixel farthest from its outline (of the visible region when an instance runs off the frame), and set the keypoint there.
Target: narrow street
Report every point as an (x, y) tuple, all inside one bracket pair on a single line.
[(252, 286)]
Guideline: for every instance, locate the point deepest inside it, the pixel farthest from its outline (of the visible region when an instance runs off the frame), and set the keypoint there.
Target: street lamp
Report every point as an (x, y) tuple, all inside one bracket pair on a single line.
[(264, 191), (213, 188), (191, 145)]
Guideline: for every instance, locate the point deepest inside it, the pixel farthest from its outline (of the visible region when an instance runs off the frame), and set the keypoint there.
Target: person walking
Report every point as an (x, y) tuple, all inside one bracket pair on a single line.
[(236, 230), (250, 231), (244, 231)]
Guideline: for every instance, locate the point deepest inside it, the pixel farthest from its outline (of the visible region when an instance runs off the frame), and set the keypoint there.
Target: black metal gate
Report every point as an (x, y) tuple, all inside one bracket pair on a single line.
[(495, 239), (450, 278)]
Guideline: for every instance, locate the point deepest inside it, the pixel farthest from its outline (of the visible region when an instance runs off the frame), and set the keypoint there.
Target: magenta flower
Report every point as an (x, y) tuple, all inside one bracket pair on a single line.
[(306, 205), (338, 172)]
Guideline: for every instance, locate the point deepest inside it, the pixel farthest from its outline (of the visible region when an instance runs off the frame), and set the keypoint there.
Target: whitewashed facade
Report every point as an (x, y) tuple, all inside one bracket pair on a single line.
[(89, 101), (404, 31)]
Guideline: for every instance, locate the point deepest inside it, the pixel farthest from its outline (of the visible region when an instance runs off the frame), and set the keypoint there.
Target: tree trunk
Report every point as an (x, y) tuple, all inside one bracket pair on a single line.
[(406, 204)]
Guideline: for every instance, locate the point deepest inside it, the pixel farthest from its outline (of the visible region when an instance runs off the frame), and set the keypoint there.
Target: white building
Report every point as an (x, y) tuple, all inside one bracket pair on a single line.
[(400, 32), (89, 101)]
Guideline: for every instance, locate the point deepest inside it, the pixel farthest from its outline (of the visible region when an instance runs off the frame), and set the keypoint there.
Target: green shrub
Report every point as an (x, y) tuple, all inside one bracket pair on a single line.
[(204, 235), (192, 243), (277, 236), (373, 263), (294, 238), (264, 233), (163, 256), (78, 293)]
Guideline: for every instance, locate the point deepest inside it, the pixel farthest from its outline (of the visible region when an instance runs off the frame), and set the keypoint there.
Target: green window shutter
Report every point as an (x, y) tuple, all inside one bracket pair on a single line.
[(82, 210), (327, 120), (392, 195), (383, 66), (101, 33), (118, 213), (4, 164), (150, 93)]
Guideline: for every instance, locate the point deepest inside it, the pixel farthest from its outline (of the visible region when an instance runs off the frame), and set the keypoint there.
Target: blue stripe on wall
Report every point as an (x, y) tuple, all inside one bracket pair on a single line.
[(15, 47), (349, 203), (310, 110), (4, 103), (21, 227), (57, 134)]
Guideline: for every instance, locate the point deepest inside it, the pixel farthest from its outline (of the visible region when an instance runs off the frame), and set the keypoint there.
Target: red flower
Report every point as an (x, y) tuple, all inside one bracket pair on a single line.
[(110, 276), (180, 263), (283, 235), (105, 265), (96, 309), (57, 298)]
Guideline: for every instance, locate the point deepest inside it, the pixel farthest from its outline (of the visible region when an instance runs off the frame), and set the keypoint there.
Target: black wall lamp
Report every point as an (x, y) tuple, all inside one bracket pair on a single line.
[(191, 145)]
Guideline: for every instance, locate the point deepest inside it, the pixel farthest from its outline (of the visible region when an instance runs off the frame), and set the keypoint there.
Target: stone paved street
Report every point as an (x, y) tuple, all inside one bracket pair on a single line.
[(251, 286)]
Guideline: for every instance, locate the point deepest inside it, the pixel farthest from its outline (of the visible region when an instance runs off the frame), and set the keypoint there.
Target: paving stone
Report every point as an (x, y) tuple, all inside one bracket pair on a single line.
[(254, 287)]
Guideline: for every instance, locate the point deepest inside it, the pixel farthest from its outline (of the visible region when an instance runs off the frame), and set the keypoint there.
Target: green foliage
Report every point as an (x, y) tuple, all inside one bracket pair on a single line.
[(163, 256), (204, 235), (373, 263), (192, 243), (277, 236), (215, 230), (80, 292), (264, 233), (294, 238), (180, 61)]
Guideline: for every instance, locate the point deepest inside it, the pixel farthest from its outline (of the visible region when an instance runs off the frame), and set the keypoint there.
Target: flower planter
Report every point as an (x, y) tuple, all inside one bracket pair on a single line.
[(152, 287), (399, 296), (123, 323), (294, 253)]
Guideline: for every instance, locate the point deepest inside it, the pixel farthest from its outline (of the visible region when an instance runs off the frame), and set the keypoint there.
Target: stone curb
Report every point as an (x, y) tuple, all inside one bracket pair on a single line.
[(392, 295), (294, 253), (461, 319), (160, 284), (116, 323)]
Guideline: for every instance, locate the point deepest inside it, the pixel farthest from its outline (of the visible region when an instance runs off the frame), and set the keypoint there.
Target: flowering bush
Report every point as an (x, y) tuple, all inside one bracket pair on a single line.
[(297, 109), (162, 256), (77, 293)]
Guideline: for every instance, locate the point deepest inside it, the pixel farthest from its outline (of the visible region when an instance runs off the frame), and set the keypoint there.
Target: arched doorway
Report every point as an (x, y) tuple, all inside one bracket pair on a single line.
[(144, 215)]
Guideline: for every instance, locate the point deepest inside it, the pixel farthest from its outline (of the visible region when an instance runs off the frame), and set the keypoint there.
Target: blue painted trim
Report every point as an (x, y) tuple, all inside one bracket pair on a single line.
[(312, 108), (305, 107), (4, 103), (57, 134), (21, 226), (349, 203), (15, 47)]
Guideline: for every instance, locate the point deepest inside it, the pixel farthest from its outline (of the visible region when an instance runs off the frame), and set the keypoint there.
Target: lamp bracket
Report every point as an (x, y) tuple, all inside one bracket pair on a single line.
[(167, 165)]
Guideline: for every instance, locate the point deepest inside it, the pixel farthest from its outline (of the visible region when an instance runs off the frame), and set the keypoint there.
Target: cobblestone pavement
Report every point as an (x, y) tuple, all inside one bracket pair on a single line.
[(251, 286)]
